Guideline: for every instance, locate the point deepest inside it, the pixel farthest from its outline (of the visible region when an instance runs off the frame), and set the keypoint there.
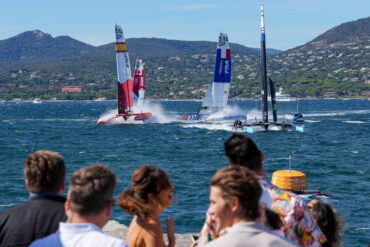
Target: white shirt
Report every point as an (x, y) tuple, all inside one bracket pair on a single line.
[(78, 235), (249, 234)]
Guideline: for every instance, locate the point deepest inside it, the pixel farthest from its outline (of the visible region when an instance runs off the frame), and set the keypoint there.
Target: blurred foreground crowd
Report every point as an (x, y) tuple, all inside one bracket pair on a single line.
[(244, 210)]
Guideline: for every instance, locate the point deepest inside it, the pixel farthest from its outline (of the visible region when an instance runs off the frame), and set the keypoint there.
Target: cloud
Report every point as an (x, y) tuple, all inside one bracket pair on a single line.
[(191, 7)]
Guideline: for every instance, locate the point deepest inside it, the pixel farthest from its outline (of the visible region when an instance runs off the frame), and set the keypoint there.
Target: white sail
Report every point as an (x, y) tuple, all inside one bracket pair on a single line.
[(207, 104), (222, 74)]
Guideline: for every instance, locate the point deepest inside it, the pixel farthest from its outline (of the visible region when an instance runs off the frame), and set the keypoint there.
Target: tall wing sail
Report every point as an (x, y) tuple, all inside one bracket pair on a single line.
[(207, 104), (263, 71), (139, 81), (125, 85), (222, 74)]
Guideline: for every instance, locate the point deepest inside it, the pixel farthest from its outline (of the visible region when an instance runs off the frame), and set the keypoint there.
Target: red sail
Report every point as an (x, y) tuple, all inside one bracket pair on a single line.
[(125, 101), (139, 78)]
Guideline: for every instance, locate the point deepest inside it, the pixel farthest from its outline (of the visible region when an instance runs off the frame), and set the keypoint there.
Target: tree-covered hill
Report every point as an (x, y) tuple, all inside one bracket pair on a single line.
[(335, 64), (350, 32), (37, 45)]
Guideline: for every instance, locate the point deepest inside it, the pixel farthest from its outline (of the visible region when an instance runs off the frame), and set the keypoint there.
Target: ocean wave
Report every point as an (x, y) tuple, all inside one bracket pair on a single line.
[(338, 113), (355, 122), (362, 229), (7, 205), (210, 126), (312, 121)]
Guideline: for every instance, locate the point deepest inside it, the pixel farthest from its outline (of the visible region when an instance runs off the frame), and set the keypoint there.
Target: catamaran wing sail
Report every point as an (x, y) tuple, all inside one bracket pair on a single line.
[(139, 82), (125, 86), (264, 93), (207, 104), (222, 74)]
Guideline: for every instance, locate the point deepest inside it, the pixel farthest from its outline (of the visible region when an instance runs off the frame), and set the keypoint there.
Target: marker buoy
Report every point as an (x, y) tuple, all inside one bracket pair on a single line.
[(289, 180)]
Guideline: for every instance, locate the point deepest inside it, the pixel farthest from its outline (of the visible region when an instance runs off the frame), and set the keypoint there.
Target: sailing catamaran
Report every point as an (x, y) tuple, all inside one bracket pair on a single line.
[(264, 123), (139, 82), (126, 86), (217, 94)]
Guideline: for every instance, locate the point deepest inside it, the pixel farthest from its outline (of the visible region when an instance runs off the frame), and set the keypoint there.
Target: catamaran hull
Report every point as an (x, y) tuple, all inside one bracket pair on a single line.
[(128, 118), (206, 118), (269, 126)]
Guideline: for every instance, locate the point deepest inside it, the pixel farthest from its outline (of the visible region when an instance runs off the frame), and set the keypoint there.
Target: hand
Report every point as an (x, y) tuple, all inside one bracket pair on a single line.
[(170, 231), (195, 244)]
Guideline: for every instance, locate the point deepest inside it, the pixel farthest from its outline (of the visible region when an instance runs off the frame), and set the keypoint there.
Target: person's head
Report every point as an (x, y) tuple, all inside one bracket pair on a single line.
[(242, 151), (326, 219), (44, 172), (91, 191), (150, 187), (235, 194), (272, 220)]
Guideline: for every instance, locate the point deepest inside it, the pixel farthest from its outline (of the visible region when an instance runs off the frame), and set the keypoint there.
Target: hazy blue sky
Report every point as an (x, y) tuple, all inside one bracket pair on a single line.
[(289, 23)]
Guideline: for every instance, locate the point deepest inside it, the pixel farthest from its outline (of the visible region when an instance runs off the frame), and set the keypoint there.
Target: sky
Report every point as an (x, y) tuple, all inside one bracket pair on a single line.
[(288, 23)]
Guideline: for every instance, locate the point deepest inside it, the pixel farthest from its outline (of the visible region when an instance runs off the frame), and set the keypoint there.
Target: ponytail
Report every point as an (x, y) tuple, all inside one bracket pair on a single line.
[(132, 205)]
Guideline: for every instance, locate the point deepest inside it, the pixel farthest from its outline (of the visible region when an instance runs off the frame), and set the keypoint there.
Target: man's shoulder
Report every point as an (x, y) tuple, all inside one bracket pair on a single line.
[(278, 194), (90, 239), (98, 238), (51, 240), (52, 199), (250, 235)]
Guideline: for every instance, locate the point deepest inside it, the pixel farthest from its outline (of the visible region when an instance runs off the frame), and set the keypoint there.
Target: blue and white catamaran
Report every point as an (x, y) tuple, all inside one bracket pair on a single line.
[(217, 94)]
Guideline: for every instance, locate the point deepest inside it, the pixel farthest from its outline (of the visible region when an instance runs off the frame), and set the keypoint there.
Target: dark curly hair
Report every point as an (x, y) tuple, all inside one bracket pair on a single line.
[(326, 219)]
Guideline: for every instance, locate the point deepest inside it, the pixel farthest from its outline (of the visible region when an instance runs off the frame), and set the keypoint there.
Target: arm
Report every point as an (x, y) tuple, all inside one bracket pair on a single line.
[(153, 237), (300, 226)]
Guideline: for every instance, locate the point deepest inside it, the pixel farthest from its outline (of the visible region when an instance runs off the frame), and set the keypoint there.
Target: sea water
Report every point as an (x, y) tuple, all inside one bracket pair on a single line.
[(333, 151)]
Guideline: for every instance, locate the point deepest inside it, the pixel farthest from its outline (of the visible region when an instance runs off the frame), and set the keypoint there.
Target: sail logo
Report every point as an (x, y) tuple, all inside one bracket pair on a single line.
[(227, 66), (121, 47), (141, 81)]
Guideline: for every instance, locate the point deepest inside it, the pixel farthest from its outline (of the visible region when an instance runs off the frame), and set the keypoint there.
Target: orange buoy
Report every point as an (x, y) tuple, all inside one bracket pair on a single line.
[(289, 180)]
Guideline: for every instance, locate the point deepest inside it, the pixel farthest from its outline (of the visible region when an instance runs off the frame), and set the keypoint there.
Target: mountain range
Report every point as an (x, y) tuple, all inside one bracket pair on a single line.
[(334, 64)]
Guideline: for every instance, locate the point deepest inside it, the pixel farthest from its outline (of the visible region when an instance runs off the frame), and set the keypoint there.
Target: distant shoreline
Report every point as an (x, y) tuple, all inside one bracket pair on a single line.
[(195, 100)]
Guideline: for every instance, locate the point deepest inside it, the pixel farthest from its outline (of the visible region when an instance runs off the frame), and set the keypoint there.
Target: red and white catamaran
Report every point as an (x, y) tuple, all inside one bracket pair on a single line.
[(139, 82), (125, 84)]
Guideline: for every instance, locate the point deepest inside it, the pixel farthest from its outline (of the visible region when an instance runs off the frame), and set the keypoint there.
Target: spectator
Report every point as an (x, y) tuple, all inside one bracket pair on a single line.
[(298, 224), (234, 203), (150, 194), (325, 217), (44, 173), (88, 207)]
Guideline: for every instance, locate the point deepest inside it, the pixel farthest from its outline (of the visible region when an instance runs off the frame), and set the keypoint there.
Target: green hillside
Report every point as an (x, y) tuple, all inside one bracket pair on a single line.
[(335, 64)]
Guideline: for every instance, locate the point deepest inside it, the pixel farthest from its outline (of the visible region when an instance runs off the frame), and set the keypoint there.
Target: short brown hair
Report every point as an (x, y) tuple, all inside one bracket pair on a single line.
[(242, 151), (91, 188), (239, 182), (45, 171)]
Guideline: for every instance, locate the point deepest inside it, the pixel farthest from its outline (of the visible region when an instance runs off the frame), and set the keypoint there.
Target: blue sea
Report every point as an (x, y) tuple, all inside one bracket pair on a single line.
[(333, 151)]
